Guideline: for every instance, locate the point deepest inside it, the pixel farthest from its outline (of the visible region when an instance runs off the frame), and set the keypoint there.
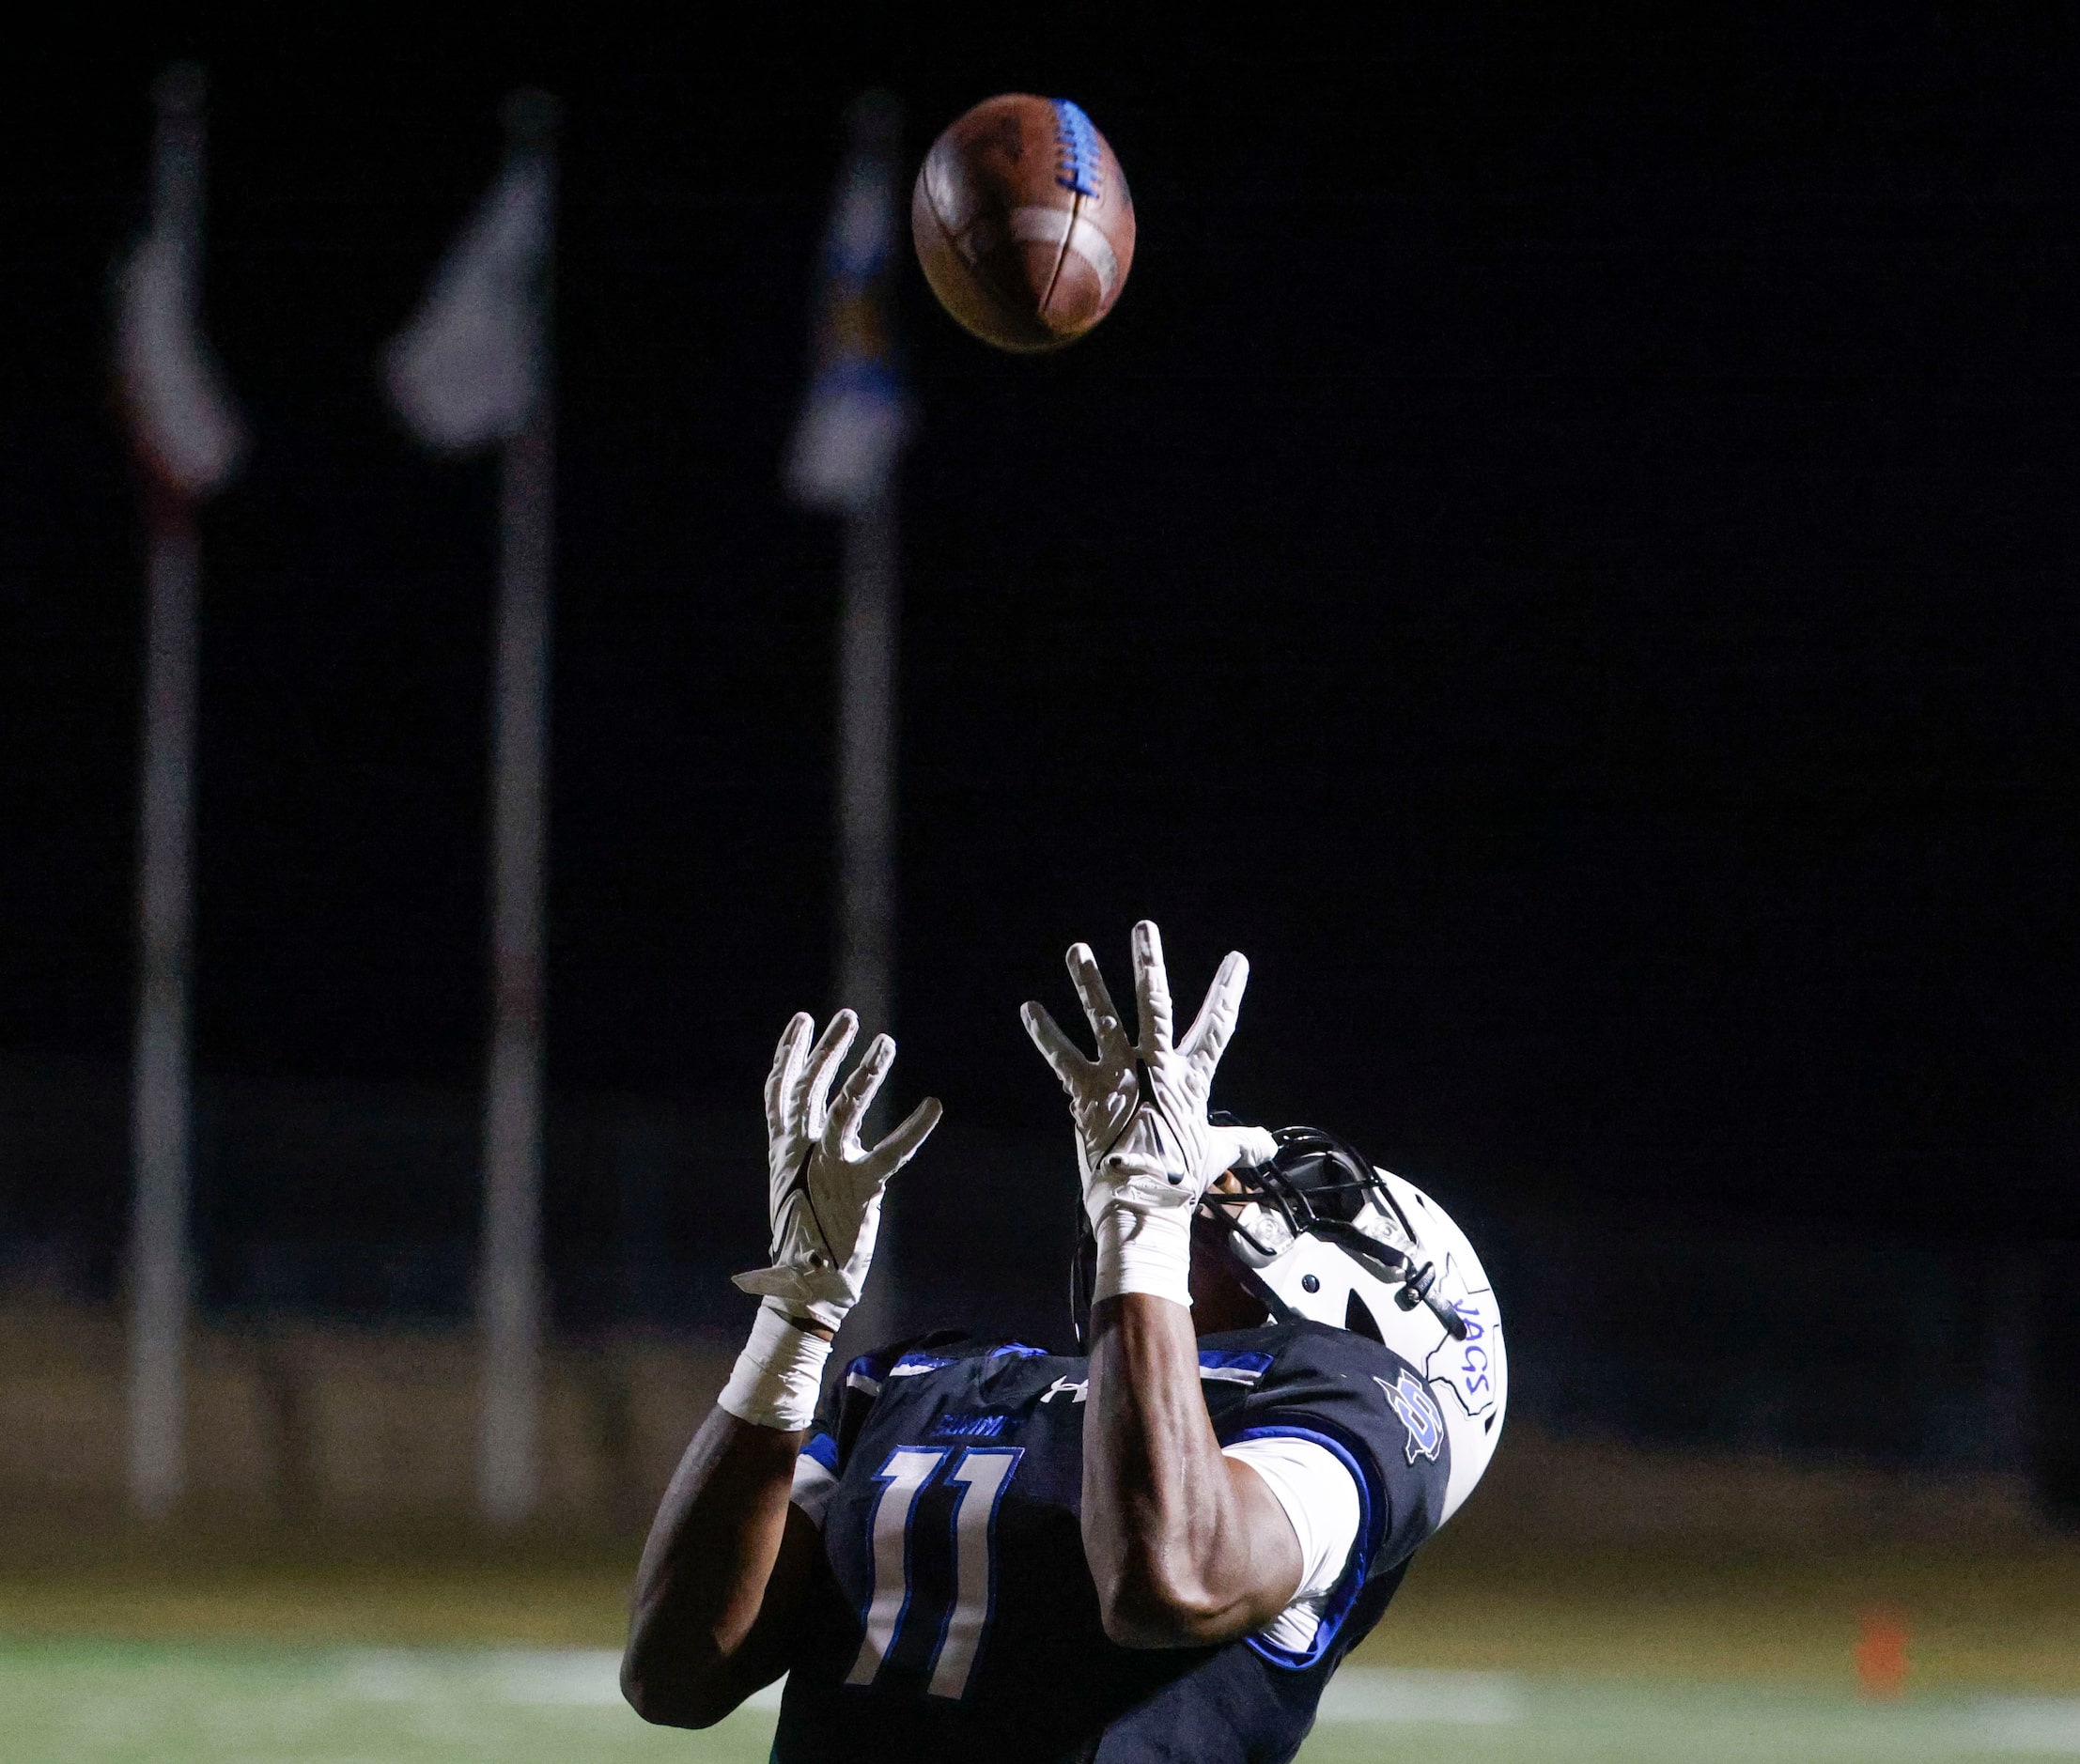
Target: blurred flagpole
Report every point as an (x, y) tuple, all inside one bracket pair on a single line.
[(473, 367), (188, 442), (842, 459)]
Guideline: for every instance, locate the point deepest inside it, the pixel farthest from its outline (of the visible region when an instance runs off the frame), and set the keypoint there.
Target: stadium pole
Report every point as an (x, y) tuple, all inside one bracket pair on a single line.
[(188, 440), (510, 1283), (843, 460), (866, 725), (160, 1093), (867, 625)]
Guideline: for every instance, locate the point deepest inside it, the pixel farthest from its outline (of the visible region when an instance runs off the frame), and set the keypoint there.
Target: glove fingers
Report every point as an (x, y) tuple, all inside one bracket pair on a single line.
[(1055, 1047), (903, 1143), (824, 1061), (856, 1094), (1112, 1045), (1152, 989), (1236, 1148), (1242, 1147), (786, 1064), (1207, 1038)]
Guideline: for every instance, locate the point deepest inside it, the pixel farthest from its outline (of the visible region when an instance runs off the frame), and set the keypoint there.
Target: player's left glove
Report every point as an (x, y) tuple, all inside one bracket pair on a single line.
[(824, 1201), (1144, 1147)]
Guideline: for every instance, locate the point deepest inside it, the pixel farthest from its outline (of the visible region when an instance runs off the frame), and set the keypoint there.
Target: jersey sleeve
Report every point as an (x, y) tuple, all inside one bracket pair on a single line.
[(815, 1477), (847, 1400), (1373, 1414)]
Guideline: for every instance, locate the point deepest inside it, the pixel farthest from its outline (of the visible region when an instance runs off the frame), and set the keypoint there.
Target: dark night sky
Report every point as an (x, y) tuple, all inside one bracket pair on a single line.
[(1565, 554)]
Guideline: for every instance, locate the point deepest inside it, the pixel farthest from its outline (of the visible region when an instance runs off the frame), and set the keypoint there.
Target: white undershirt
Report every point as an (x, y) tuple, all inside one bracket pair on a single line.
[(1320, 1498), (1308, 1481)]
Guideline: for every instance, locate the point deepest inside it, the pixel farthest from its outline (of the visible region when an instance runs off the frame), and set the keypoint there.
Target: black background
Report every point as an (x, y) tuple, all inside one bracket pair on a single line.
[(1565, 554)]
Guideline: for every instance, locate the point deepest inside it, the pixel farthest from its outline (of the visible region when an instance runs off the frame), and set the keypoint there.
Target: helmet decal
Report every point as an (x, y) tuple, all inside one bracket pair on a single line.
[(1412, 1403), (1466, 1368)]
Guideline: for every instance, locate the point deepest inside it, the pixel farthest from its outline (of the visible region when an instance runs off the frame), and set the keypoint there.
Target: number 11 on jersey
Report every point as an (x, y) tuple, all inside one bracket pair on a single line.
[(980, 1476)]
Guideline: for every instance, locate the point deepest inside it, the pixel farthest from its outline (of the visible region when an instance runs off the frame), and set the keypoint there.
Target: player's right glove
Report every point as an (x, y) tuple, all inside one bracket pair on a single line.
[(824, 1200), (1144, 1147)]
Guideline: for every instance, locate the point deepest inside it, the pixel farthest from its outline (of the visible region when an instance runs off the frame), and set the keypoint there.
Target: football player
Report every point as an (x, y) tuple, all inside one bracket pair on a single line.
[(976, 1550)]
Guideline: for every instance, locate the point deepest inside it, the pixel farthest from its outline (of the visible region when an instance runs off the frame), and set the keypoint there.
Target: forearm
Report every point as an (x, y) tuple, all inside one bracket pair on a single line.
[(707, 1569), (1185, 1546), (728, 1555), (715, 1583)]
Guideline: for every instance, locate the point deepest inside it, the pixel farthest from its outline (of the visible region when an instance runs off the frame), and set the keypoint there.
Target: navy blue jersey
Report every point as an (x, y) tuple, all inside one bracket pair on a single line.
[(958, 1620)]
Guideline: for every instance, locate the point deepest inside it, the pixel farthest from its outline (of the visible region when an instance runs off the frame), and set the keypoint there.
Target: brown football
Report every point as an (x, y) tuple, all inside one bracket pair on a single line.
[(1023, 222)]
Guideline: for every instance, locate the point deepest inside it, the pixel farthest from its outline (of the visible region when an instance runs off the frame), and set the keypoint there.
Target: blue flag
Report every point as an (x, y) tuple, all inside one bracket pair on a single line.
[(856, 417)]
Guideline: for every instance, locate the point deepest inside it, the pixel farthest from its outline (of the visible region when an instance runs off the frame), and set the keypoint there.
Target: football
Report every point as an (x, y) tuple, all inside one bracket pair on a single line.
[(1023, 222)]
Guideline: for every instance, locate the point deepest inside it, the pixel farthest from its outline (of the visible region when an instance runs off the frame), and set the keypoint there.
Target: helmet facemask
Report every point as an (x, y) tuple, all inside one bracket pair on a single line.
[(1318, 1185)]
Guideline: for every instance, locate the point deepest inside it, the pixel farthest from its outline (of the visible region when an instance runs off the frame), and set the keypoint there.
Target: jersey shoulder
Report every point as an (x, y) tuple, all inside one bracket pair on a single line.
[(887, 1371), (1358, 1398)]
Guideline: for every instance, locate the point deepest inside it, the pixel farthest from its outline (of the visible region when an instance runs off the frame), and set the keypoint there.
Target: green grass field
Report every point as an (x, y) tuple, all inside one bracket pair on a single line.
[(166, 1703), (400, 1646)]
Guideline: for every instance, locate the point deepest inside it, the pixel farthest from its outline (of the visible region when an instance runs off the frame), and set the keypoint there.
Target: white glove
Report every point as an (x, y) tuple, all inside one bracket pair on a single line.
[(1144, 1148), (1243, 1148), (825, 1204), (824, 1197)]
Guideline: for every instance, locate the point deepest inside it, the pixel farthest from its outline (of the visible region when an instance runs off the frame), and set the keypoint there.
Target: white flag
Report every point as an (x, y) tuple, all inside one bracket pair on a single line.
[(185, 424), (855, 418), (467, 369)]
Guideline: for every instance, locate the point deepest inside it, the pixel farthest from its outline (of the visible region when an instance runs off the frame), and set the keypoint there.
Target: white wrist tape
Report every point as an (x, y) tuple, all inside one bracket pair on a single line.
[(778, 1375), (1145, 1250)]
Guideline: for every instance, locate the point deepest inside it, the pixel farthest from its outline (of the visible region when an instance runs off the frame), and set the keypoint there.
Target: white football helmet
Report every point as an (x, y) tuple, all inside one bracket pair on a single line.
[(1322, 1234)]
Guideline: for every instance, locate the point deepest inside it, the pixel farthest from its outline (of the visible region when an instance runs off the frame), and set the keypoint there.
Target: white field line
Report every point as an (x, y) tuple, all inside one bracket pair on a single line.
[(1378, 1695), (2041, 1727), (567, 1677), (386, 1675), (2046, 1727), (590, 1678)]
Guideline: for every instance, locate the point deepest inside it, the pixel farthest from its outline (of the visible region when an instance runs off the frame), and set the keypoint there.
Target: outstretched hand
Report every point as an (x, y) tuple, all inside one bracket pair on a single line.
[(825, 1189), (1143, 1138)]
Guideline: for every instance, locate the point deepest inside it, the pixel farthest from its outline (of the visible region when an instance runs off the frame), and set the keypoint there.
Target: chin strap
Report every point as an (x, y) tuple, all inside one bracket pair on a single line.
[(1419, 1280), (1281, 1312)]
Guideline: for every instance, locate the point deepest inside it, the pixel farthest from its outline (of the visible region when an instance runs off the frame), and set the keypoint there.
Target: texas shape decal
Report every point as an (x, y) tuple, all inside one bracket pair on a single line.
[(1472, 1368)]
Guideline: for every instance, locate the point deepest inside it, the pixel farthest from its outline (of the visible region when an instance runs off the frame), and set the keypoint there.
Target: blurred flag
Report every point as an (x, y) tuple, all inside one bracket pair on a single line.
[(471, 369), (465, 371), (186, 429), (189, 441), (856, 417)]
